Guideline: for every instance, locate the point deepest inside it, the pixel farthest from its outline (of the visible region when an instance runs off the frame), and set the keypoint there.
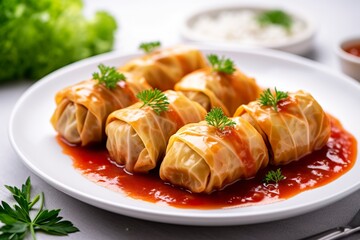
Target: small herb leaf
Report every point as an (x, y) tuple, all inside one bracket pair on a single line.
[(276, 17), (155, 99), (217, 119), (274, 176), (224, 65), (268, 99), (148, 47), (108, 76)]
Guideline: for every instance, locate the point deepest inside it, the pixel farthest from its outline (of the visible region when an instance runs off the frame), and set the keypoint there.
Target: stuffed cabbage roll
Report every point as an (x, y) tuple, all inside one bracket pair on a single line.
[(82, 109), (138, 136), (202, 159), (296, 128), (165, 67), (217, 89)]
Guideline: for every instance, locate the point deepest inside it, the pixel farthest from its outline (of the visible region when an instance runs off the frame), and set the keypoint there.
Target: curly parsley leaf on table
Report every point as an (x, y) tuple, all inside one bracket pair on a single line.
[(17, 220)]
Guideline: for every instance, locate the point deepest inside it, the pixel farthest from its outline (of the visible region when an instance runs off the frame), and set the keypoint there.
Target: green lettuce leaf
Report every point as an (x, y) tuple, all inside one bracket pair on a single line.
[(40, 36)]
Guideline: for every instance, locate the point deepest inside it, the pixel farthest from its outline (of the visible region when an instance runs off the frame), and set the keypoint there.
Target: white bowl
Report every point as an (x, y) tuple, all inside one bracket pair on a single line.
[(349, 63), (300, 43)]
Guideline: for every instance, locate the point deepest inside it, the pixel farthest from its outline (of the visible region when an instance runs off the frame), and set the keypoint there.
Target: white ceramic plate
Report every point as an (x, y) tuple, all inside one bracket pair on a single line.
[(33, 138), (300, 44)]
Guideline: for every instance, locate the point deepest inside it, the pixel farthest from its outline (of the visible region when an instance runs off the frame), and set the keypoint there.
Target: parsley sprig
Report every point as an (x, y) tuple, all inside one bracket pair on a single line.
[(155, 99), (217, 119), (18, 222), (274, 176), (224, 65), (108, 76), (277, 17), (268, 99), (148, 47)]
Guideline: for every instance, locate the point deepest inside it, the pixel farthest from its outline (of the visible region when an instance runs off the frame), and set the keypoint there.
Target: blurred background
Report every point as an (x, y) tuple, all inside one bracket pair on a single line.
[(334, 20), (65, 31)]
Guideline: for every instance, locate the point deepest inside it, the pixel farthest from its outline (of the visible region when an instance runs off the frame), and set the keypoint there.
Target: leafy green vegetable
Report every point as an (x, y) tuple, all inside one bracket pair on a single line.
[(18, 222), (274, 176), (224, 65), (108, 76), (268, 99), (217, 119), (39, 36), (148, 47), (155, 99), (276, 17)]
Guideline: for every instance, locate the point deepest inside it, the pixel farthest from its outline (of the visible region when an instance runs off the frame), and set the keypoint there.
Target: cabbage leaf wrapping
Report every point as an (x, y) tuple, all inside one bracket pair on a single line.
[(137, 136), (202, 159), (165, 67), (298, 128), (82, 109), (215, 89)]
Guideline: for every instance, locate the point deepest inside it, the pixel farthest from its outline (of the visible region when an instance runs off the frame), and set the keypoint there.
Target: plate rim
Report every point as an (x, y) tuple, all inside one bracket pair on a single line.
[(187, 217)]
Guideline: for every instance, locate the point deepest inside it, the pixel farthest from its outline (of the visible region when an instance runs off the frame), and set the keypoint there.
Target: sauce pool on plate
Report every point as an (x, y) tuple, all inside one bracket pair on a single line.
[(314, 170)]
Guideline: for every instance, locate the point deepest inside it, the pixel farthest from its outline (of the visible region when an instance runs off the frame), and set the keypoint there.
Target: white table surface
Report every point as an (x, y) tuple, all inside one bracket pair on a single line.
[(160, 20)]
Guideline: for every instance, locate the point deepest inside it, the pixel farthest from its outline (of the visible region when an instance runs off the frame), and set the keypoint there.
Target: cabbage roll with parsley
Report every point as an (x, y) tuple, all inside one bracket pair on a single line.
[(293, 125), (203, 158), (164, 67), (221, 85), (138, 135), (82, 109)]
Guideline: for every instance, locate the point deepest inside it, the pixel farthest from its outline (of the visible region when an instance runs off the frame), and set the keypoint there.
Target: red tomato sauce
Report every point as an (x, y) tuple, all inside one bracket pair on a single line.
[(353, 50), (315, 170)]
